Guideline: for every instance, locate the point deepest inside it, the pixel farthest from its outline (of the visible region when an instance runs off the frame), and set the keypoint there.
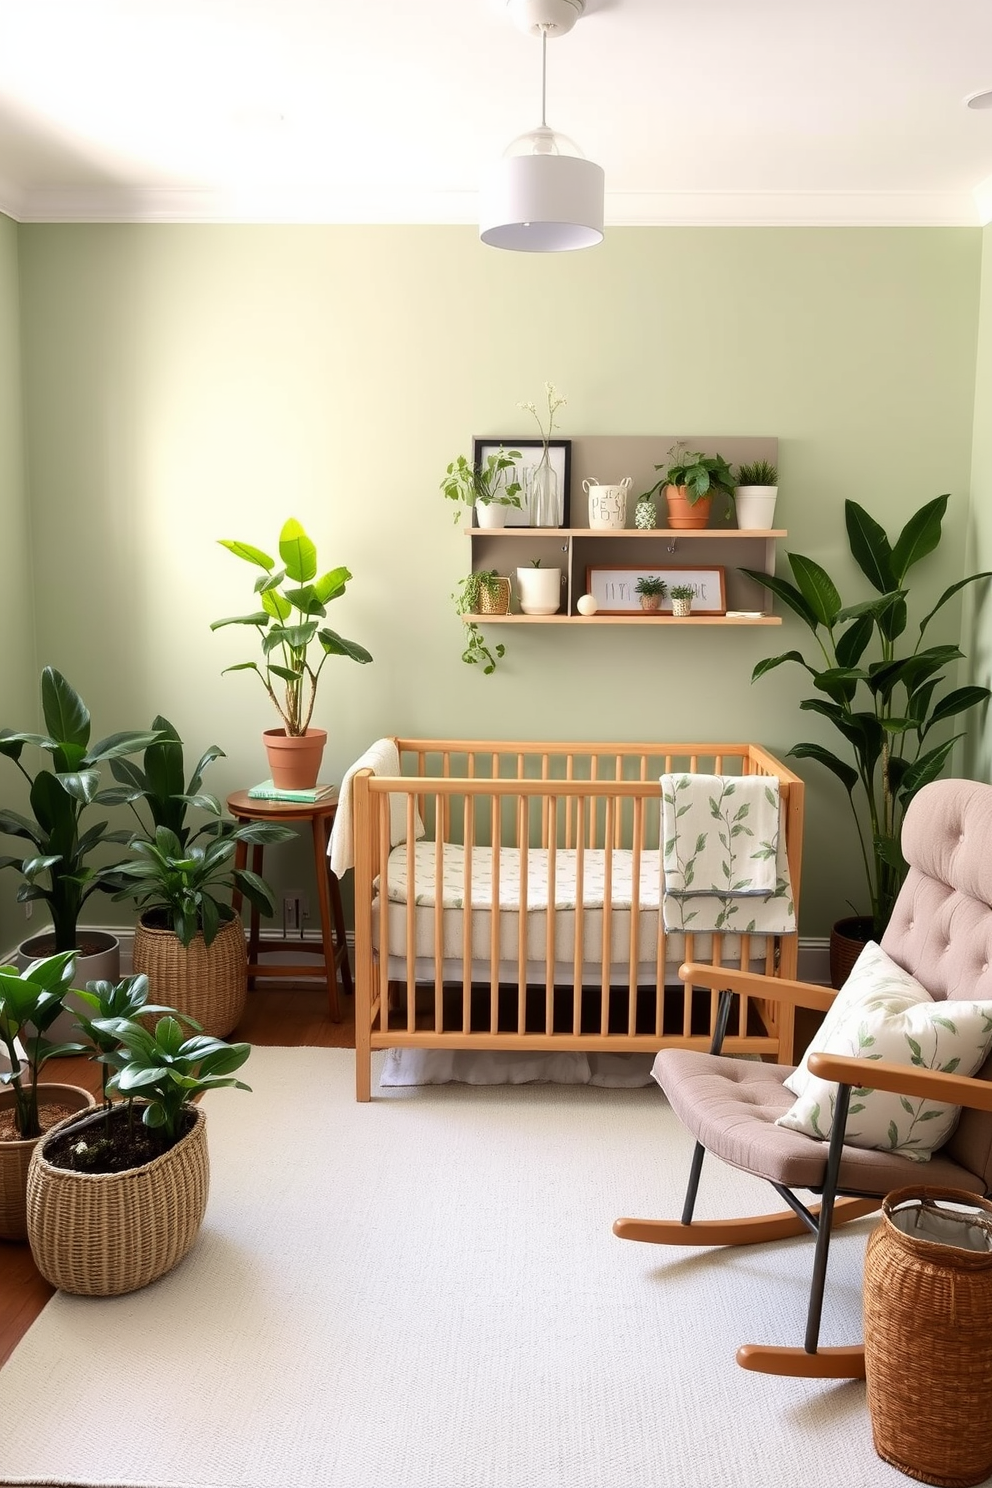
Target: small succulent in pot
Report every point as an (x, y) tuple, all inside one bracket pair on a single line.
[(652, 590), (682, 596)]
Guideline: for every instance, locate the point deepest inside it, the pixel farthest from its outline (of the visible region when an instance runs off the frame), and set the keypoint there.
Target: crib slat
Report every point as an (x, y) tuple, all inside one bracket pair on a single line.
[(494, 916), (522, 920), (551, 915), (578, 949), (468, 838), (607, 948)]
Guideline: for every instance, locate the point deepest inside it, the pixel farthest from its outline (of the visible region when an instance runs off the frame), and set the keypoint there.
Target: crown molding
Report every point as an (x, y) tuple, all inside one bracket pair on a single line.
[(459, 208)]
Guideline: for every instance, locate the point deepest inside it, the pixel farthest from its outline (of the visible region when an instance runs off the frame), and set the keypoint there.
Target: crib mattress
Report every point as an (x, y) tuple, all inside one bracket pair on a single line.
[(476, 923)]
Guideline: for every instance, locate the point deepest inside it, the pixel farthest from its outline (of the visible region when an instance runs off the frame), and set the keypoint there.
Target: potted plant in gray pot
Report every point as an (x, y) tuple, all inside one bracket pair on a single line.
[(58, 870), (295, 647), (115, 1198), (881, 697), (30, 1003)]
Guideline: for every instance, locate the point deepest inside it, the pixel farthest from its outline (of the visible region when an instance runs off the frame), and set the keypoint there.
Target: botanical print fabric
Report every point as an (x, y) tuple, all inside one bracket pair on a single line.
[(594, 869), (724, 855)]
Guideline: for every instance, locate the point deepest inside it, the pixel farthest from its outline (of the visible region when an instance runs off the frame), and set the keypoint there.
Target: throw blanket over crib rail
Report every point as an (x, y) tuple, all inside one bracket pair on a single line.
[(510, 896)]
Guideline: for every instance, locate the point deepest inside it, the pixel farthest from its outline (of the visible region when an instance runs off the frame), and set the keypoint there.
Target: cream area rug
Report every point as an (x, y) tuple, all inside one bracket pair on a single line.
[(424, 1292)]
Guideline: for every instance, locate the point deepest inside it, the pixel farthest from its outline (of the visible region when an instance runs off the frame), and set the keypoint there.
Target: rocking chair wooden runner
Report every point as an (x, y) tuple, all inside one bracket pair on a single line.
[(941, 933)]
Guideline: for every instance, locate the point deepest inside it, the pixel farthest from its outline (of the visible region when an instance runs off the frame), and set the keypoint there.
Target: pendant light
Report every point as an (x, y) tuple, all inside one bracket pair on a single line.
[(543, 196)]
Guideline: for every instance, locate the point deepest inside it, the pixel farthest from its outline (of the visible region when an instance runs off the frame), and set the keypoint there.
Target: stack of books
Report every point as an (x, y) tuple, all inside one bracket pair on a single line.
[(266, 791)]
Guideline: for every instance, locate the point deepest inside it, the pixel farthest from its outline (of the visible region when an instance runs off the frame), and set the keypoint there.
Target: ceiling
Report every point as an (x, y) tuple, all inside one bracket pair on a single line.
[(699, 111)]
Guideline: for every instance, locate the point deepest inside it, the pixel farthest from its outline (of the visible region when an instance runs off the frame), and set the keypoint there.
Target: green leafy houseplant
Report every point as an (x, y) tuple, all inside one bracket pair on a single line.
[(30, 1001), (882, 701), (295, 646), (698, 474), (468, 601), (651, 586), (485, 483), (757, 473), (57, 870), (159, 783), (683, 591), (177, 887)]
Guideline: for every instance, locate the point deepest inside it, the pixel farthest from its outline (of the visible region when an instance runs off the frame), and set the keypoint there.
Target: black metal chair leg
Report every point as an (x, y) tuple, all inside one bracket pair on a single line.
[(819, 1278), (699, 1151)]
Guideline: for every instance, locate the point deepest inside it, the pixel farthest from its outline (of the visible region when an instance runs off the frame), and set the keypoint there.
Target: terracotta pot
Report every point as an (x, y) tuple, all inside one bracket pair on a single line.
[(15, 1157), (206, 982), (682, 513), (103, 1234), (847, 940), (294, 760)]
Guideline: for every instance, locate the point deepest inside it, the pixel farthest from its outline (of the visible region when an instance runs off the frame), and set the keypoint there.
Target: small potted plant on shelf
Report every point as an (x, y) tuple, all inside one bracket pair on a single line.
[(754, 495), (652, 591), (484, 487), (115, 1198), (295, 646), (482, 593), (690, 480), (30, 1003), (58, 868), (681, 596), (539, 589)]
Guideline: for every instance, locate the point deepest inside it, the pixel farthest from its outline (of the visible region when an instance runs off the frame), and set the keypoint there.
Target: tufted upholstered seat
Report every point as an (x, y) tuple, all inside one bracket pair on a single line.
[(941, 933)]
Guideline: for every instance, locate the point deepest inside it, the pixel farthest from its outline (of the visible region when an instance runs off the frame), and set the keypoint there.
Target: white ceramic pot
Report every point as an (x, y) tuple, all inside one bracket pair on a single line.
[(755, 507), (607, 503), (490, 514), (539, 590)]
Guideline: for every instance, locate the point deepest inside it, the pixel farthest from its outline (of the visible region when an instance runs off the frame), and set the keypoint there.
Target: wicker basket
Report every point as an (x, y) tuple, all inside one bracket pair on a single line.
[(495, 600), (15, 1157), (103, 1234), (208, 983), (928, 1335)]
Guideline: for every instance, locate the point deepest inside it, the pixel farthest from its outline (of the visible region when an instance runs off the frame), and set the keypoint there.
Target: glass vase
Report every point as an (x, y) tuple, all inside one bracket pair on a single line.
[(543, 495)]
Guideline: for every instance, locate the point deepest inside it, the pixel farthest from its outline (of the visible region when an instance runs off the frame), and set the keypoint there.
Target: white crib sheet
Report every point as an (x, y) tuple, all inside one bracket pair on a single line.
[(595, 864)]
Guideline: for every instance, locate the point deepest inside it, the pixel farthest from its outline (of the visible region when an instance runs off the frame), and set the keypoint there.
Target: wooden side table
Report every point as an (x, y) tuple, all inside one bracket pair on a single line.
[(333, 946)]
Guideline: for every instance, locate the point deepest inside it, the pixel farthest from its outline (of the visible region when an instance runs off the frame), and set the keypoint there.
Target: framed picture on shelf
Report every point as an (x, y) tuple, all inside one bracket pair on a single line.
[(615, 589), (559, 455)]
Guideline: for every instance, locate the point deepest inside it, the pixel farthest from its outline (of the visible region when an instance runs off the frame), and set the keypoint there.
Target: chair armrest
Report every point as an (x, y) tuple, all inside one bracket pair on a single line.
[(754, 984), (903, 1079)]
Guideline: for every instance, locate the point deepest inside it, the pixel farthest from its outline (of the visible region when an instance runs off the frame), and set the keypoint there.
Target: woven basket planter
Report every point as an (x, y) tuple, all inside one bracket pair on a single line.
[(495, 600), (15, 1157), (103, 1234), (208, 983), (928, 1336)]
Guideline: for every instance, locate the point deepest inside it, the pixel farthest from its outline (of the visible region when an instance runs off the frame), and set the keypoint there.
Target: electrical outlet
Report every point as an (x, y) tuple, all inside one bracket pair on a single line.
[(292, 914)]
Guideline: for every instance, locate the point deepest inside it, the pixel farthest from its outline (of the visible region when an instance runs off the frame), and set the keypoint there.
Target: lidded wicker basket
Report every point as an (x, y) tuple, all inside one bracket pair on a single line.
[(208, 983), (928, 1335), (104, 1234)]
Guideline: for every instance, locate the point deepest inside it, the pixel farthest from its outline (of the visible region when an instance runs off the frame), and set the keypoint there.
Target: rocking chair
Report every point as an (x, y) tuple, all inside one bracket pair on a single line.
[(941, 933)]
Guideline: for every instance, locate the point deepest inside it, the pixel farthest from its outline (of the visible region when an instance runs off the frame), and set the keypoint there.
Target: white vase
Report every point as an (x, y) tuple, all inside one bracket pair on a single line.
[(490, 514), (607, 503), (755, 507), (539, 590)]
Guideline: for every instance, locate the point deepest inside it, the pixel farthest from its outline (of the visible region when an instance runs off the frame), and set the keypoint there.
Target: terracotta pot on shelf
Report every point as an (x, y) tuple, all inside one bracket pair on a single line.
[(294, 760), (682, 513)]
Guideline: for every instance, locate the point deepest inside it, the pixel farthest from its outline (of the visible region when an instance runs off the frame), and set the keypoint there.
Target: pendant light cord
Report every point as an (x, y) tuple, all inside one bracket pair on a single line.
[(544, 76)]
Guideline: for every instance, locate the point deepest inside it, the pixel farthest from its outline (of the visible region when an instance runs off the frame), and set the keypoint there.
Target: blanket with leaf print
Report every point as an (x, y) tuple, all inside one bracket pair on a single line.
[(723, 854)]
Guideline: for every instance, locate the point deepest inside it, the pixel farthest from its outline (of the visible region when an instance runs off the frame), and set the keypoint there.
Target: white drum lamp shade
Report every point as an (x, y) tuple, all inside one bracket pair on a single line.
[(542, 203)]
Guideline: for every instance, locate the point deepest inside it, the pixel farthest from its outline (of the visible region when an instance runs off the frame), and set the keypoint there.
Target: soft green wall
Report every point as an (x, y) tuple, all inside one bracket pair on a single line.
[(18, 688), (188, 383), (978, 626)]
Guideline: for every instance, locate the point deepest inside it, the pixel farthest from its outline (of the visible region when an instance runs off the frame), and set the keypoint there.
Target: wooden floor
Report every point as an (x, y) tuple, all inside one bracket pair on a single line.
[(283, 1016)]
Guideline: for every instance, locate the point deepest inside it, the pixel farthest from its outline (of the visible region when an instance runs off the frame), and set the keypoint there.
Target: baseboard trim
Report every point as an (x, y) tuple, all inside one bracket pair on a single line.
[(814, 952)]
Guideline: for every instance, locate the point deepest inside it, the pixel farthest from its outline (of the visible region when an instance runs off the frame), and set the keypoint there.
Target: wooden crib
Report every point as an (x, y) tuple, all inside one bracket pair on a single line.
[(495, 823)]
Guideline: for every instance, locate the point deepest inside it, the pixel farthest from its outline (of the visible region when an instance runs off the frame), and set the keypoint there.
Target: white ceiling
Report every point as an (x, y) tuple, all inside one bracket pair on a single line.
[(699, 111)]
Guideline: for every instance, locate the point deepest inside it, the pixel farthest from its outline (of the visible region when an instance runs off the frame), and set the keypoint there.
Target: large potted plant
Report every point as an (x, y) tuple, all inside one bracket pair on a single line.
[(484, 487), (882, 699), (30, 1002), (115, 1199), (189, 939), (295, 647), (690, 481), (58, 869)]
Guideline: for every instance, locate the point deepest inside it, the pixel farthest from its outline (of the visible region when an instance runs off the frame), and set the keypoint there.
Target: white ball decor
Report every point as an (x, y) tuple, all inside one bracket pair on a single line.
[(587, 605)]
